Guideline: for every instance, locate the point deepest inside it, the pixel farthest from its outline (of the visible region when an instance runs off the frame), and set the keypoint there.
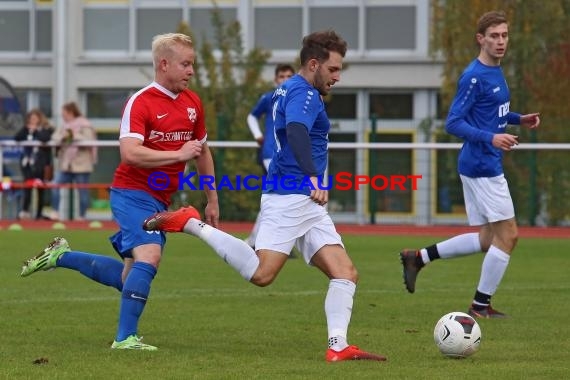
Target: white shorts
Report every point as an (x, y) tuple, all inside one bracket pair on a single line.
[(294, 220), (487, 199), (266, 162)]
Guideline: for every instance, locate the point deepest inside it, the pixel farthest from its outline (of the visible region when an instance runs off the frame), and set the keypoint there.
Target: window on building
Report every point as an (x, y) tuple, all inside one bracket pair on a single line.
[(342, 160), (392, 106), (341, 106), (45, 102), (108, 159), (25, 26), (15, 30), (391, 162), (43, 30), (35, 98), (106, 104), (390, 27), (344, 20), (106, 29), (108, 26), (278, 28), (441, 112), (202, 26), (449, 196), (151, 22), (22, 96)]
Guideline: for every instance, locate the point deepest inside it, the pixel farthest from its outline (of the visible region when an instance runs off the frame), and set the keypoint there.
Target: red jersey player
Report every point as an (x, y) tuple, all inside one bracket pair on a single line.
[(161, 129)]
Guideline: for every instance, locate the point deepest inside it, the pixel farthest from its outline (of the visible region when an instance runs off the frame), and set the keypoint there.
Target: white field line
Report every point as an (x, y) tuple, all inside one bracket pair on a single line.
[(230, 292)]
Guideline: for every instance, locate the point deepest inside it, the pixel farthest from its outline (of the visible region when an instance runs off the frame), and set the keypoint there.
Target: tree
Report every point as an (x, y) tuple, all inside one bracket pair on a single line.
[(546, 85), (538, 30), (229, 83)]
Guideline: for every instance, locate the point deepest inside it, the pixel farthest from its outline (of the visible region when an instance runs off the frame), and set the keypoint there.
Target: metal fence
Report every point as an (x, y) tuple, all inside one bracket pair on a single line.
[(377, 183)]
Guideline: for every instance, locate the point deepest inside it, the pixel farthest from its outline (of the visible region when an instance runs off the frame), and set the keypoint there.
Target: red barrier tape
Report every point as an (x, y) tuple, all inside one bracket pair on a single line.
[(39, 184)]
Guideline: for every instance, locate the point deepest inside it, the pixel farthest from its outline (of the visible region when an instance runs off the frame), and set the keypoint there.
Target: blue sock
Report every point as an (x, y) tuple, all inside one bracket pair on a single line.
[(103, 269), (135, 293)]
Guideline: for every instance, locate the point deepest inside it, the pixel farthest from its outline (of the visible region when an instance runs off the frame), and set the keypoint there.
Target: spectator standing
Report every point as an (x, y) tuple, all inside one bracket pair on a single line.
[(35, 161), (75, 163)]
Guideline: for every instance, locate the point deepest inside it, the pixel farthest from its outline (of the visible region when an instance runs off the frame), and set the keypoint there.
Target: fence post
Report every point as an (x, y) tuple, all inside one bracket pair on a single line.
[(222, 122), (71, 192), (532, 196), (372, 165), (1, 178)]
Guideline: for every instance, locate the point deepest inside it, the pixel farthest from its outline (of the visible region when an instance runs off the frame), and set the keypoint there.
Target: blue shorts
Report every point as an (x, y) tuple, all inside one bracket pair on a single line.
[(130, 208)]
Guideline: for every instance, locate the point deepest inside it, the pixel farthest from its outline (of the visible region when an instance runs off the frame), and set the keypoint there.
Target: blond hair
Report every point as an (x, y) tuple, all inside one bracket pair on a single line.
[(162, 45), (42, 119)]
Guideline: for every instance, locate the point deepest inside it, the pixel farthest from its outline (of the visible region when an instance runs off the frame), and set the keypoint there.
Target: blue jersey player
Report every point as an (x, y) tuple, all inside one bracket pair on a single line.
[(266, 141), (263, 109), (292, 205), (479, 114)]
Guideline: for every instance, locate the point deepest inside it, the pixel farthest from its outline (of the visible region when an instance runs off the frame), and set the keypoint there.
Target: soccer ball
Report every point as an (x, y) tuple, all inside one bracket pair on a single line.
[(457, 335)]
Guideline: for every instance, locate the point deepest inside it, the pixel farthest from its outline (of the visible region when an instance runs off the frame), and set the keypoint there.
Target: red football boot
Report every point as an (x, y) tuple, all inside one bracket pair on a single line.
[(170, 221), (352, 353)]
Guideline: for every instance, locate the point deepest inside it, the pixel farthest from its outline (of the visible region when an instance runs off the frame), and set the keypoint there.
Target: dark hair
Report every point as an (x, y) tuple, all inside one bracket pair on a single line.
[(283, 67), (490, 19), (318, 45), (72, 108)]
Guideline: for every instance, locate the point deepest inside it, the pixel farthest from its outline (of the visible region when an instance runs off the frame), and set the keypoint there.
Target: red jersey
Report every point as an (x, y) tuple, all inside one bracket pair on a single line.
[(164, 121)]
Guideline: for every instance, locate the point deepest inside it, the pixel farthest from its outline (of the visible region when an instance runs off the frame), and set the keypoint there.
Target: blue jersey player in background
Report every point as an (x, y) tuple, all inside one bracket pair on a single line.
[(265, 139), (479, 114), (263, 109), (293, 213)]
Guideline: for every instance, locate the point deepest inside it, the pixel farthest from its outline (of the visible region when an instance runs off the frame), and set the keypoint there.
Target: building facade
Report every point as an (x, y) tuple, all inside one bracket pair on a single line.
[(97, 52)]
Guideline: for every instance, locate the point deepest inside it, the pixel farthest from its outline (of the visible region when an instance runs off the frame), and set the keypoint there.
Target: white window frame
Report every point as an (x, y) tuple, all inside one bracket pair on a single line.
[(31, 6)]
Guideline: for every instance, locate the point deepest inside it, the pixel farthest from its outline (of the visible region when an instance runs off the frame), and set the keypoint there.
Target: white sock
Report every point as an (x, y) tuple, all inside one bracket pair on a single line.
[(425, 257), (494, 266), (232, 250), (338, 310), (460, 245)]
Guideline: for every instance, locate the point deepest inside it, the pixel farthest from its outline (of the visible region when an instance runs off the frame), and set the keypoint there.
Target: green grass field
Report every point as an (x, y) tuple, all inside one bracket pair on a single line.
[(210, 324)]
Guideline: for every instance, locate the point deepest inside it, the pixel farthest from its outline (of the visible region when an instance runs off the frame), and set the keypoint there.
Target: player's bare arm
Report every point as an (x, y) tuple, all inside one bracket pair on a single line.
[(135, 154), (205, 166), (505, 141), (531, 120)]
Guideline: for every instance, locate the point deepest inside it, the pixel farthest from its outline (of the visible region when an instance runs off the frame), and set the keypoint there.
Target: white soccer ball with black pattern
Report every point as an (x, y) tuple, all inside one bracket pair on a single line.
[(457, 335)]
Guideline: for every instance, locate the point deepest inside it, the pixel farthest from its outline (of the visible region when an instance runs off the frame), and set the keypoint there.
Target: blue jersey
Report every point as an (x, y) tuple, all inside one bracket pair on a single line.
[(296, 101), (480, 110), (263, 107)]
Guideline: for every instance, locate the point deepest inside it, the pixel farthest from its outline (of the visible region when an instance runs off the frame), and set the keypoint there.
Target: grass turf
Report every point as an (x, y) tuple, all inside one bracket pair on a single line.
[(210, 324)]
